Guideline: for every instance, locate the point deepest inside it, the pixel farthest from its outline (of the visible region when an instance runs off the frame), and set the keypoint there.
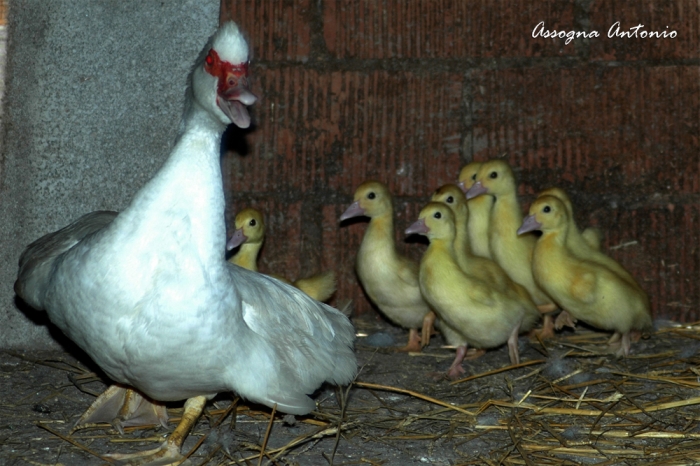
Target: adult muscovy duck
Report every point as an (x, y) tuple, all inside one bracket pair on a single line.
[(148, 295)]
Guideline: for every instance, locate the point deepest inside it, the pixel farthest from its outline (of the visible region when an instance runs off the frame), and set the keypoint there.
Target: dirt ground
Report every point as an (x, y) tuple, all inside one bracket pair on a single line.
[(567, 403)]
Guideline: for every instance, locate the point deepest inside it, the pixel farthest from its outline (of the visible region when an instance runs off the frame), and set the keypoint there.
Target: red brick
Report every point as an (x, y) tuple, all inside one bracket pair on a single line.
[(443, 28), (683, 16), (335, 130), (612, 130), (276, 30)]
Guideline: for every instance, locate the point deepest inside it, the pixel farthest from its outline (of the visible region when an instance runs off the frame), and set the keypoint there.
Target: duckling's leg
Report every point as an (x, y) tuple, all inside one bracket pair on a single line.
[(513, 351), (169, 452), (547, 330), (414, 342), (428, 328), (123, 407), (456, 369)]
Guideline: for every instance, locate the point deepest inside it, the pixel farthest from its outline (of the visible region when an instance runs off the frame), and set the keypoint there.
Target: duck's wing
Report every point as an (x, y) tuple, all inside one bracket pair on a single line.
[(300, 342), (37, 262)]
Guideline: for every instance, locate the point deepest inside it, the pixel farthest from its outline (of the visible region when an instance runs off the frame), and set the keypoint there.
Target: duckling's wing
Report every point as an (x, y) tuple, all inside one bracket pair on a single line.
[(583, 286), (36, 264), (408, 271)]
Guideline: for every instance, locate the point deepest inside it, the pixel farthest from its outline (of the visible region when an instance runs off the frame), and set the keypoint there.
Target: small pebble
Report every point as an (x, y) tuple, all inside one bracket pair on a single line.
[(379, 339)]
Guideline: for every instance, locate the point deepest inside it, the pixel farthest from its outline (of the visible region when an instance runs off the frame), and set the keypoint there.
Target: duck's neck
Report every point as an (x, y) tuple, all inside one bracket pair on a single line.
[(247, 256), (184, 202), (380, 235), (461, 242), (506, 215)]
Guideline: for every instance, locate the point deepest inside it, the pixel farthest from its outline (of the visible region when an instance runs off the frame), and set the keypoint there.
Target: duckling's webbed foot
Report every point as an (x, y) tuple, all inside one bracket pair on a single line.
[(623, 342), (414, 343), (123, 407), (564, 319), (456, 369), (169, 452)]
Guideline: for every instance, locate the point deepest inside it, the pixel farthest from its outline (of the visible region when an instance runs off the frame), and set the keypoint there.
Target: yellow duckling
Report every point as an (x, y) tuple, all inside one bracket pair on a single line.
[(250, 234), (485, 269), (479, 212), (389, 279), (511, 251), (483, 315), (578, 241), (585, 287)]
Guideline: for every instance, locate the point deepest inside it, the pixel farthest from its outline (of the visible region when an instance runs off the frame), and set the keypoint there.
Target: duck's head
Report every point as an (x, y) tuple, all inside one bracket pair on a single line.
[(372, 199), (452, 196), (436, 221), (547, 214), (250, 228), (467, 176), (219, 80), (559, 194), (494, 177)]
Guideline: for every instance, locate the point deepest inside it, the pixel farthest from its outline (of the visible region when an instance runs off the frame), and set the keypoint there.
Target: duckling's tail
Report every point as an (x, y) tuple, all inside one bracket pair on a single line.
[(320, 286)]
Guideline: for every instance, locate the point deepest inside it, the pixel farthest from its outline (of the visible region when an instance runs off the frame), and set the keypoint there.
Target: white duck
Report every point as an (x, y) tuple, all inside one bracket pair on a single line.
[(148, 294)]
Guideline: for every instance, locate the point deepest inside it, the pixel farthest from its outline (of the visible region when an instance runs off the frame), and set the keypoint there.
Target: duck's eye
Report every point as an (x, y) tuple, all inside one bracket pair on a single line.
[(209, 60), (252, 223), (474, 177), (494, 175), (450, 200), (437, 215), (547, 209), (371, 196)]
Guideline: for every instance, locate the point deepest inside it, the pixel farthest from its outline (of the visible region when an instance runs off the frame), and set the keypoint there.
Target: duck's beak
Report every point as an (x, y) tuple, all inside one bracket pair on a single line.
[(236, 240), (476, 190), (353, 211), (418, 227), (234, 94), (462, 187), (529, 224)]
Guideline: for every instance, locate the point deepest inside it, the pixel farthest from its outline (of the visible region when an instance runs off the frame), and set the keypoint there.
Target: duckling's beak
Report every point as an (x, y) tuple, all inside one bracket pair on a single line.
[(462, 187), (529, 224), (353, 211), (476, 190), (236, 240), (418, 227)]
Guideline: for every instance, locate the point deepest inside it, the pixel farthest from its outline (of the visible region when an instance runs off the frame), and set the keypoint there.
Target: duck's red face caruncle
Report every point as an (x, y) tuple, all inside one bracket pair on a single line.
[(233, 91)]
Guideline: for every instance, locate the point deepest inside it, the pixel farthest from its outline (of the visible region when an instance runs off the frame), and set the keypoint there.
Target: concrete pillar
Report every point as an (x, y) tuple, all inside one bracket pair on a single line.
[(93, 98)]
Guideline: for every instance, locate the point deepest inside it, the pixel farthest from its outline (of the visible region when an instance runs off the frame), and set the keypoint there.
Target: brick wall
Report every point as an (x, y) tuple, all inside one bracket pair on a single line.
[(408, 92)]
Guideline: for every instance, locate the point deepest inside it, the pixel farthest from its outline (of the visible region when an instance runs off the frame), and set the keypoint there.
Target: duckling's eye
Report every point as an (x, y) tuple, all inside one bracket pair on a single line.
[(371, 196), (494, 175), (474, 177), (252, 223), (450, 200), (437, 215), (547, 209)]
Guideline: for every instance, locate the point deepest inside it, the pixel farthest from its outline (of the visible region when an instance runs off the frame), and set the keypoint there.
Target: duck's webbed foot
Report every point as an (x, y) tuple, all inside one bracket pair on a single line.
[(123, 407), (169, 452)]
